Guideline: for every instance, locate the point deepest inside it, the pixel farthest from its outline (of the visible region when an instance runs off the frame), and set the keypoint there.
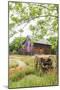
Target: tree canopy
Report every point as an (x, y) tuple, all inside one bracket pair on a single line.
[(44, 15)]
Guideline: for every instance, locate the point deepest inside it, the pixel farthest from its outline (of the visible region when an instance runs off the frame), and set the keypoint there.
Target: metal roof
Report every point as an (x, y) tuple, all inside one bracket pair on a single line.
[(42, 41)]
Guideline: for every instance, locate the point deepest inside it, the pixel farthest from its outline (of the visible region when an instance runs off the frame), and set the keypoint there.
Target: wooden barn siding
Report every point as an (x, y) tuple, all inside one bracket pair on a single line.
[(42, 49)]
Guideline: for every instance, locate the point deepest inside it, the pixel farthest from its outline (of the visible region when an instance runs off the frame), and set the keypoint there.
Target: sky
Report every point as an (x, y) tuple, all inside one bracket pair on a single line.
[(25, 27)]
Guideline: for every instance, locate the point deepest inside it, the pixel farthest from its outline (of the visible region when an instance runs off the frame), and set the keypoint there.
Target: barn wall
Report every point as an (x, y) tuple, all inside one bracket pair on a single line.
[(42, 49)]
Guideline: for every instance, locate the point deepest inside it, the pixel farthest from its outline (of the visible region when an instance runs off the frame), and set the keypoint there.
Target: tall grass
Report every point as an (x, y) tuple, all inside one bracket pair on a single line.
[(33, 80), (30, 77)]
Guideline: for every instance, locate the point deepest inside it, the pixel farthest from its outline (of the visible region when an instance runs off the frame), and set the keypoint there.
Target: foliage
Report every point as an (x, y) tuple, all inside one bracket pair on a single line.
[(54, 43), (16, 44), (44, 15)]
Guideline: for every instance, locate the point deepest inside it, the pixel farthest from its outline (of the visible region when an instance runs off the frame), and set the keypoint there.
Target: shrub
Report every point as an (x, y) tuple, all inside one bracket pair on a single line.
[(14, 52), (16, 44), (29, 70), (17, 76)]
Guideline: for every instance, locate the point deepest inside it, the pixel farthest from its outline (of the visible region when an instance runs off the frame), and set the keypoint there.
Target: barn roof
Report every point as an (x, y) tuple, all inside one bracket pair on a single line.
[(46, 42)]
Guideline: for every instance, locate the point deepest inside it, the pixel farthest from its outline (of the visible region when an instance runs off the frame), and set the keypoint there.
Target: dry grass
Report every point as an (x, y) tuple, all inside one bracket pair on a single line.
[(27, 76)]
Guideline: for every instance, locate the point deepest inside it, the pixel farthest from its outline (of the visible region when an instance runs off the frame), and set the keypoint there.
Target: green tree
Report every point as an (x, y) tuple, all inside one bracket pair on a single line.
[(44, 15)]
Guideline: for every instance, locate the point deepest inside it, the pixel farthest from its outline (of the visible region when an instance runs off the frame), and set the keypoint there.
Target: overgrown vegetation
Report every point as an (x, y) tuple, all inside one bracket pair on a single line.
[(29, 76), (16, 45), (33, 80)]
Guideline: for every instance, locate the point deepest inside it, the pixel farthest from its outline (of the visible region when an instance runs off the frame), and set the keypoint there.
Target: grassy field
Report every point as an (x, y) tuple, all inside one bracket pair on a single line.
[(22, 73)]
